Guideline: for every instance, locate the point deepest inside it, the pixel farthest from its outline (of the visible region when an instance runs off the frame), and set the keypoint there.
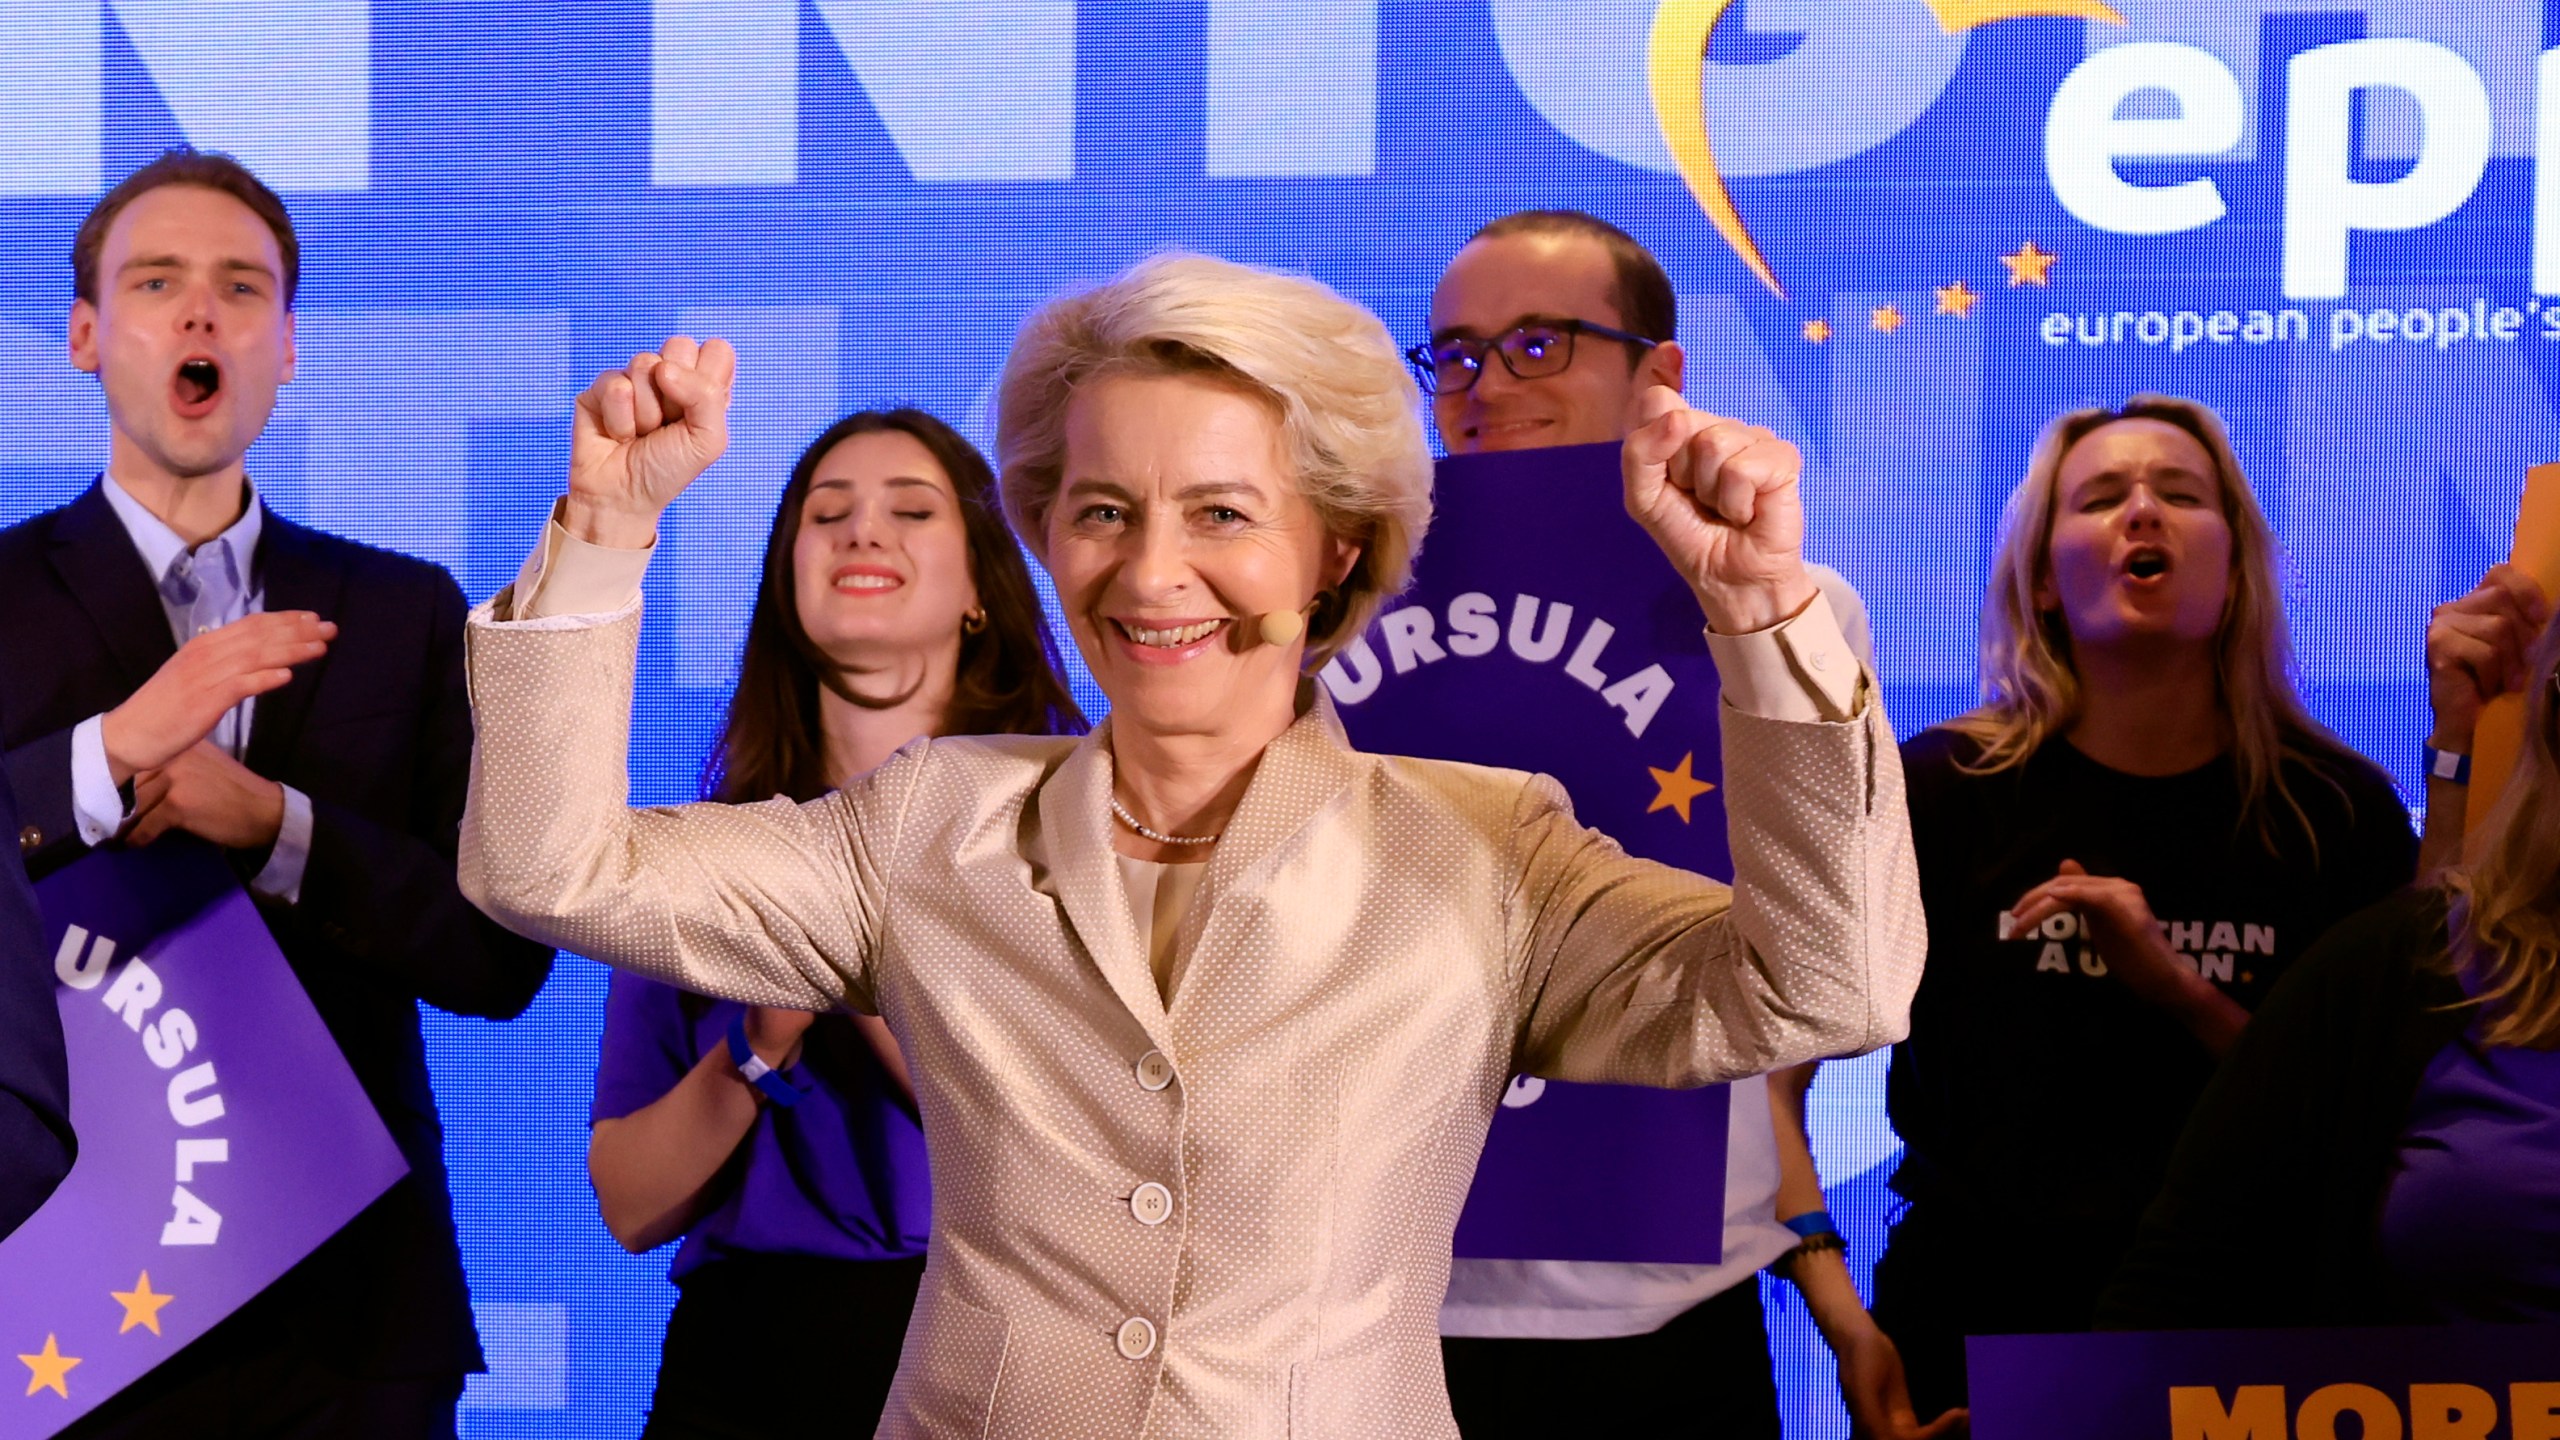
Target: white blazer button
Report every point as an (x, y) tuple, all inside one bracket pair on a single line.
[(1819, 660), (1154, 1071), (1137, 1338), (1152, 1204)]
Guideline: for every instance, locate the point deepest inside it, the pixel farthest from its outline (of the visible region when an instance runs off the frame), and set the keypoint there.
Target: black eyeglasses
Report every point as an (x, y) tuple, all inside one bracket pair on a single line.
[(1531, 351)]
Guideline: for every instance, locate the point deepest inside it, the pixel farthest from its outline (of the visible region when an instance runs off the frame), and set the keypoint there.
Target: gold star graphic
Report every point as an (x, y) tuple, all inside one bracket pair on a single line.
[(1674, 789), (1957, 300), (1817, 331), (141, 1307), (46, 1370), (2029, 265), (1886, 317)]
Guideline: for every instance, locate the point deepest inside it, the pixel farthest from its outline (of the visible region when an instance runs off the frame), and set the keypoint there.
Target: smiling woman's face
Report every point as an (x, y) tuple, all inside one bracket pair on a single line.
[(881, 565), (1178, 524), (2139, 549)]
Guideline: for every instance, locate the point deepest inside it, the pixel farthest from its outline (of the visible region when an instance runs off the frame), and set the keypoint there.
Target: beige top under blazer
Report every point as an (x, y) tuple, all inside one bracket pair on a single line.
[(1233, 1218)]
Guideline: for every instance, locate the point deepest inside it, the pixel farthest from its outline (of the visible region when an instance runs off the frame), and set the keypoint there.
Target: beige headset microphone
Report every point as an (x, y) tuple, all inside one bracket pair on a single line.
[(1282, 627)]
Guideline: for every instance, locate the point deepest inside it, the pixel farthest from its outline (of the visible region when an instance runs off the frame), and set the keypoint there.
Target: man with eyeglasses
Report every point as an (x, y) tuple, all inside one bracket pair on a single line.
[(1547, 329), (1529, 296)]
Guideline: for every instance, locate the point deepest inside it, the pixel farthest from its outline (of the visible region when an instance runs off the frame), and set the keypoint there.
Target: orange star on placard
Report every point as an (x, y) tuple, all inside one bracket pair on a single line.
[(1817, 331), (2028, 266), (141, 1307), (1674, 789), (46, 1370), (1886, 317), (1957, 300)]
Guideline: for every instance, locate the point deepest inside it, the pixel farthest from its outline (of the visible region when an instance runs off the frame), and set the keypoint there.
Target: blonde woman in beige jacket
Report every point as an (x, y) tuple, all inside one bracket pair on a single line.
[(1209, 1012)]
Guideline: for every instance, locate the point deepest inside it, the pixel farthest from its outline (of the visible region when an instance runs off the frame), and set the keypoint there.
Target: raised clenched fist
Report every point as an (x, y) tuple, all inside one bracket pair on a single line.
[(642, 434), (1719, 496)]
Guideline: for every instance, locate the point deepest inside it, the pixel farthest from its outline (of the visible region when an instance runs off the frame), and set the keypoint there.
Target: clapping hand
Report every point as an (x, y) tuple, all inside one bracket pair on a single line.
[(208, 677), (1720, 498), (642, 434), (205, 792), (2121, 926)]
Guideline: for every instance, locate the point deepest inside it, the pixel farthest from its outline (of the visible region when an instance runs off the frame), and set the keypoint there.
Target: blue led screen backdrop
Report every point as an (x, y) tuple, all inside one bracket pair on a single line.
[(1941, 221)]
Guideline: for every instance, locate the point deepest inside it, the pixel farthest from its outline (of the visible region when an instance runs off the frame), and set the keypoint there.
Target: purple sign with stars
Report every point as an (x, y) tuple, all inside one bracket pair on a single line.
[(222, 1136), (1546, 632)]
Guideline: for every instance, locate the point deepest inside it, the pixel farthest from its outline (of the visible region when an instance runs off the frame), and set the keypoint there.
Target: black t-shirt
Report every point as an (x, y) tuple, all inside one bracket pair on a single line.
[(2038, 1097)]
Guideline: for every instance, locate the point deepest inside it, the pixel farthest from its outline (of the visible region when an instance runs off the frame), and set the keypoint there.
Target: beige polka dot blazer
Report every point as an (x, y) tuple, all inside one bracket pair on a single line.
[(1231, 1217)]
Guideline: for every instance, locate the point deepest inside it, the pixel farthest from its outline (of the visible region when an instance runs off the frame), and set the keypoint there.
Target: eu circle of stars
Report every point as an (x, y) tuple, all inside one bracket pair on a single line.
[(1678, 788), (2029, 264)]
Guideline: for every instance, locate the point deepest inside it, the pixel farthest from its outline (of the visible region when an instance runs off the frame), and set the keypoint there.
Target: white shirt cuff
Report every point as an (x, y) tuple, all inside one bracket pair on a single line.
[(566, 578), (281, 878), (95, 804), (1799, 669), (1850, 609)]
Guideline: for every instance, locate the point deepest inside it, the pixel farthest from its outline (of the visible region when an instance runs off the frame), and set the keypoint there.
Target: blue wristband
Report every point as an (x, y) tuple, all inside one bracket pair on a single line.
[(778, 1086), (1813, 1223), (1814, 1234), (2447, 765)]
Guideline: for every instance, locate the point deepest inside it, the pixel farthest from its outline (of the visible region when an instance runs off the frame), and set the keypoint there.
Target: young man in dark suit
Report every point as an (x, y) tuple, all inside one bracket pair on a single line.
[(205, 665), (35, 1099)]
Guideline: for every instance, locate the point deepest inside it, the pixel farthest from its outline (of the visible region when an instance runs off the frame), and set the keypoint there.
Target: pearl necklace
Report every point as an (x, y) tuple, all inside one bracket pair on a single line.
[(1157, 836)]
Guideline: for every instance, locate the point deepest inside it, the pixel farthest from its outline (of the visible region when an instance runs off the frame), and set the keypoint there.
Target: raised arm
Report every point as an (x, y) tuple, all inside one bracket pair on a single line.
[(773, 904), (1646, 975), (2475, 652), (1641, 974)]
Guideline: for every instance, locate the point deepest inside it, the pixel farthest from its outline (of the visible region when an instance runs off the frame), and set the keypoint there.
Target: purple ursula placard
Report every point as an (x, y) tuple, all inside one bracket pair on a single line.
[(1546, 632), (222, 1136), (2437, 1383)]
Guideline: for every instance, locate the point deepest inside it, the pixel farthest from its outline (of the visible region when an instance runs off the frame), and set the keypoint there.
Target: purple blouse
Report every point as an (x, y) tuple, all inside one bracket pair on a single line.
[(2471, 1220), (840, 1175)]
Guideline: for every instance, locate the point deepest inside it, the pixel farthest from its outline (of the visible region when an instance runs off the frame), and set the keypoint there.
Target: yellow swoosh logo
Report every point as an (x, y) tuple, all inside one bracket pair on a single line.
[(1679, 49)]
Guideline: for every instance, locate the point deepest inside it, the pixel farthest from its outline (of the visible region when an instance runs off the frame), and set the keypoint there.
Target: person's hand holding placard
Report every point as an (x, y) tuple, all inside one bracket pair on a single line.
[(2499, 733)]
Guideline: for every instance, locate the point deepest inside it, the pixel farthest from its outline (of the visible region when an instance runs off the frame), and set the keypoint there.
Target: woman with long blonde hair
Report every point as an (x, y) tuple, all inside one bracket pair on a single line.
[(2397, 1101), (2121, 849)]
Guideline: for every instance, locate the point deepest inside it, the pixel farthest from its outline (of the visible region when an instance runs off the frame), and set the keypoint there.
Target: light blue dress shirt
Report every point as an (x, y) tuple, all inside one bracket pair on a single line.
[(201, 590)]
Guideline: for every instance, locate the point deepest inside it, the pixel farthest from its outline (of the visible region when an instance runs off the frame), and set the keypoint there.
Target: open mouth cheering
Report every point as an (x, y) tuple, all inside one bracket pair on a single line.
[(198, 380)]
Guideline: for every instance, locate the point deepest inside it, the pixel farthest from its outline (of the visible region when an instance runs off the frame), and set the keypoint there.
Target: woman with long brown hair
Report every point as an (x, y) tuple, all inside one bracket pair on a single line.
[(2397, 1100), (2121, 849), (784, 1146)]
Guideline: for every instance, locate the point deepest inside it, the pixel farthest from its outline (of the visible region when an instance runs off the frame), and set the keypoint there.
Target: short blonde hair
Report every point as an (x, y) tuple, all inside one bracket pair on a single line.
[(1349, 411), (2031, 687)]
